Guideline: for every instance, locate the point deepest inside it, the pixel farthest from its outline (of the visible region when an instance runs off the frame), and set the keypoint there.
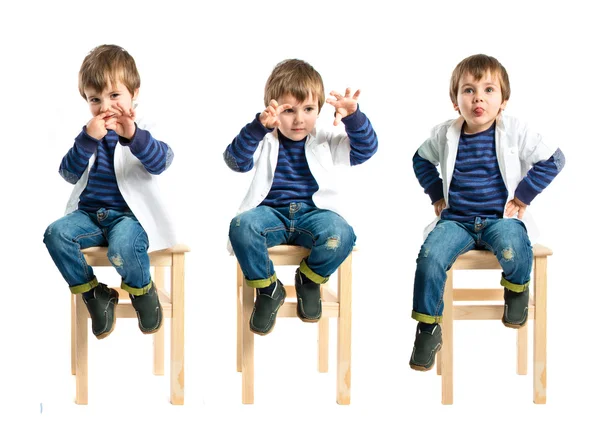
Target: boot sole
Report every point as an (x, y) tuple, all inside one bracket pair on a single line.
[(511, 325)]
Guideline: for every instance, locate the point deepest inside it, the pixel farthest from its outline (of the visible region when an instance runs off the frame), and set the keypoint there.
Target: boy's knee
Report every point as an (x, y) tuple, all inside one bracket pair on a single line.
[(52, 235)]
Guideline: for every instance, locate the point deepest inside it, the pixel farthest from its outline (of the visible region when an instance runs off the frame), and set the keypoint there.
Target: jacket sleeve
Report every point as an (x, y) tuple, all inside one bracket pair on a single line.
[(425, 162)]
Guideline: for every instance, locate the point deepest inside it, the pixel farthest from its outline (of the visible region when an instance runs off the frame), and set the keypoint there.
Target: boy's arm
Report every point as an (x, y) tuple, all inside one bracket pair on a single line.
[(363, 139), (539, 177), (76, 161), (239, 155), (156, 156), (429, 177)]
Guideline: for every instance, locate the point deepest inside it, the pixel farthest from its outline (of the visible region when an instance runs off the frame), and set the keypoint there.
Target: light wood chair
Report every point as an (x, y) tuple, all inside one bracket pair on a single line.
[(338, 305), (172, 302), (481, 260)]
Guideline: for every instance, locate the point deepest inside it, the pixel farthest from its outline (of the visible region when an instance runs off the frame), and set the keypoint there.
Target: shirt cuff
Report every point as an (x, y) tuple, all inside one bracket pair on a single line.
[(86, 142), (354, 121)]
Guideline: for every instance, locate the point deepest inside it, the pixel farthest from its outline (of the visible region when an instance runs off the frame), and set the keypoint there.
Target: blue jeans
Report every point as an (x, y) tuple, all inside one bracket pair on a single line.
[(127, 248), (329, 237), (506, 238)]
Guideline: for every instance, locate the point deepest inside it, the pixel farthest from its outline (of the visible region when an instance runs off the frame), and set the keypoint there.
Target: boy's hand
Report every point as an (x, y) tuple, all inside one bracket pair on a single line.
[(123, 122), (270, 116), (439, 206), (344, 105), (515, 206), (96, 127)]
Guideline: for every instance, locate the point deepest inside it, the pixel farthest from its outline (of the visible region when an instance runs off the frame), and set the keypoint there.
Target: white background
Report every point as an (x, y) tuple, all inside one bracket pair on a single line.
[(203, 71)]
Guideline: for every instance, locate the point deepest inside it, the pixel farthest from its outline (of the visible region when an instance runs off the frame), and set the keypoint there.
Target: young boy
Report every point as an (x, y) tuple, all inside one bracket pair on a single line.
[(115, 201), (292, 198), (492, 167)]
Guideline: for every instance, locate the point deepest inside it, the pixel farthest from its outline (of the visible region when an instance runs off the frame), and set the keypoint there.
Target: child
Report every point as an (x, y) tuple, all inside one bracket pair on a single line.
[(115, 200), (292, 198), (492, 167)]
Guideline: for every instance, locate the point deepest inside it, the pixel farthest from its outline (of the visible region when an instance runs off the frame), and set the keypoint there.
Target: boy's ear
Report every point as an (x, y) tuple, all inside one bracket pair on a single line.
[(135, 94), (456, 108), (503, 105)]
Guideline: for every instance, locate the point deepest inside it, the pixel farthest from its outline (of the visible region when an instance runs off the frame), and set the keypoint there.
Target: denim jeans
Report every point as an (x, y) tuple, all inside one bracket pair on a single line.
[(127, 248), (329, 237), (506, 238)]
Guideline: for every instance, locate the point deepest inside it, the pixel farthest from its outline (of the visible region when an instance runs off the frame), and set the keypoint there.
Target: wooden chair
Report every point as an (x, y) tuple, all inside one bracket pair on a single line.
[(172, 302), (474, 260), (336, 305)]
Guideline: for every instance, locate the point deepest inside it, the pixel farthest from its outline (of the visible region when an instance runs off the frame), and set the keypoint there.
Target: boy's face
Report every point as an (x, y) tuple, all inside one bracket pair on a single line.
[(107, 100), (479, 102), (300, 120)]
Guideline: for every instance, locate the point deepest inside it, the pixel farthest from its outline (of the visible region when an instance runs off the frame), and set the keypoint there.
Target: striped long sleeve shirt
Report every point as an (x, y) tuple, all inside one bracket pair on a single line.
[(102, 190)]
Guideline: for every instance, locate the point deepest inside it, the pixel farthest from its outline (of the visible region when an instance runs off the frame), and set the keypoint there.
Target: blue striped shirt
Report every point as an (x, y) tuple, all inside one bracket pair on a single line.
[(293, 181), (102, 190), (477, 188)]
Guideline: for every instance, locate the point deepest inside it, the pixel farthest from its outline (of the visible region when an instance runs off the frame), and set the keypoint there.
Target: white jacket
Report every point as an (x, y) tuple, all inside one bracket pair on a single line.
[(517, 149), (140, 190)]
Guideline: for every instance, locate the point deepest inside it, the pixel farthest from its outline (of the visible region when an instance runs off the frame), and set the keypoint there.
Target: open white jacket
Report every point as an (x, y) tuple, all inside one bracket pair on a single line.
[(140, 190), (517, 148)]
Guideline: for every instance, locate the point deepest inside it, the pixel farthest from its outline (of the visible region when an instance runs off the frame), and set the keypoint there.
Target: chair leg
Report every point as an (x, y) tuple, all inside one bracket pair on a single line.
[(177, 330), (447, 339), (81, 354), (539, 331), (238, 305), (323, 343), (344, 340), (522, 350), (158, 338), (438, 360), (73, 334), (247, 346)]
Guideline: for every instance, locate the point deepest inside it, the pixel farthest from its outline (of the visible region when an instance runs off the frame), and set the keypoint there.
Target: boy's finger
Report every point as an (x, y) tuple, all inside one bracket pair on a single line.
[(347, 95), (336, 95), (356, 95), (283, 107)]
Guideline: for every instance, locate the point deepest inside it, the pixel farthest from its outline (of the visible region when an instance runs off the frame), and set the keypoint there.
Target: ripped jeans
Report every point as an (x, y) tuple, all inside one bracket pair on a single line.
[(506, 238), (127, 248), (329, 237)]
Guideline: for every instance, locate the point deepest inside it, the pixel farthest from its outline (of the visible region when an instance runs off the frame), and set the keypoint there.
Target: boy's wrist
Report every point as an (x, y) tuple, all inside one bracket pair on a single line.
[(138, 142), (257, 129), (87, 142), (355, 119), (124, 141), (525, 193), (436, 191)]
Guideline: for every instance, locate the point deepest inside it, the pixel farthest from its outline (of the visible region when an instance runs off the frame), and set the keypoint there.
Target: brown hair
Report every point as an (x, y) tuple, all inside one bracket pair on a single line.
[(295, 77), (104, 66), (477, 66)]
